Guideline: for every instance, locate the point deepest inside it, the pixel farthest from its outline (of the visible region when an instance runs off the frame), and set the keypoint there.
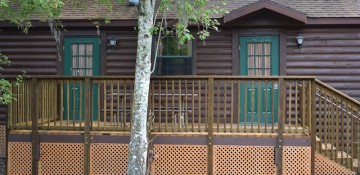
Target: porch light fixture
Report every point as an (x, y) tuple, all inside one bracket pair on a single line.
[(112, 42), (299, 40), (134, 2)]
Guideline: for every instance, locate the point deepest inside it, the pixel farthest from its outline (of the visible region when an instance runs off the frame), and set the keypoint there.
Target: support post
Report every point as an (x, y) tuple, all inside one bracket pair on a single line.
[(35, 145), (313, 125), (210, 124), (279, 144), (87, 126)]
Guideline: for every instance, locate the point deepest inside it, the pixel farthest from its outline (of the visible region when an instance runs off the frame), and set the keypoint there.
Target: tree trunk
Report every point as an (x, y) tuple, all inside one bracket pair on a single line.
[(138, 146)]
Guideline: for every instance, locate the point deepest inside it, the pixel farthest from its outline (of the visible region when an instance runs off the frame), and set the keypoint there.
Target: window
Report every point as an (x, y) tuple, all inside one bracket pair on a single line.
[(174, 58)]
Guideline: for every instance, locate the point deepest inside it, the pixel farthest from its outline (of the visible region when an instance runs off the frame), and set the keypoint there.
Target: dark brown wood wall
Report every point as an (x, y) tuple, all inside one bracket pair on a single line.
[(35, 53), (332, 55), (121, 59), (214, 55)]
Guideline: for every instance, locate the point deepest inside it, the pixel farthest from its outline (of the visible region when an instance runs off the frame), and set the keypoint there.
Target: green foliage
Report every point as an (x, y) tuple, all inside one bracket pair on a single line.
[(196, 13), (6, 94)]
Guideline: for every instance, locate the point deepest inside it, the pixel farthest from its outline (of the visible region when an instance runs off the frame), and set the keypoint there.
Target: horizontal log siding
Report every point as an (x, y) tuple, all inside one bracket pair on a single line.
[(333, 55), (35, 53), (121, 60), (214, 55)]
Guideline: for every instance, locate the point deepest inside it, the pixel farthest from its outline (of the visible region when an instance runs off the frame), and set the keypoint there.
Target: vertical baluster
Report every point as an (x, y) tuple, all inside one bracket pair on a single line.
[(273, 106), (266, 105), (258, 104), (207, 121), (192, 106), (296, 106), (111, 104), (290, 105), (337, 132), (342, 134), (180, 106), (252, 106), (245, 104), (98, 103), (166, 104), (348, 134), (173, 104), (131, 97), (303, 106), (124, 104), (327, 123), (74, 102), (67, 102), (239, 106), (80, 101), (160, 102), (118, 105), (225, 103), (332, 127), (232, 105), (105, 108), (61, 102), (321, 111), (199, 105), (152, 94), (218, 105), (185, 104)]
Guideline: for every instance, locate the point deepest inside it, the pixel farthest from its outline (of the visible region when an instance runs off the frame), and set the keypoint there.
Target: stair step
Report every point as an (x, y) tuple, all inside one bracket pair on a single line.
[(327, 147), (345, 155)]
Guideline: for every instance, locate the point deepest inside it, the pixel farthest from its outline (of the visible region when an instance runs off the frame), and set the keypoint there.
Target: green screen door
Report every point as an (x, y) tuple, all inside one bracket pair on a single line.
[(81, 58), (259, 56)]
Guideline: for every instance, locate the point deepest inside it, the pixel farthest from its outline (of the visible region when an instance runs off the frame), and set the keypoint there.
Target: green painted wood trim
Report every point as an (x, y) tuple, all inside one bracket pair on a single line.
[(96, 70), (274, 40)]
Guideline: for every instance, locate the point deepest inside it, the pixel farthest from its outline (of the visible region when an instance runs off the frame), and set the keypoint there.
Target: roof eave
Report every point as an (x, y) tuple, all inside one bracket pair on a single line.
[(266, 4)]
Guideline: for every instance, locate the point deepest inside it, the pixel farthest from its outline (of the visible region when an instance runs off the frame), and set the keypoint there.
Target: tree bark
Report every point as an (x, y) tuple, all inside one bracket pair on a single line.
[(138, 146)]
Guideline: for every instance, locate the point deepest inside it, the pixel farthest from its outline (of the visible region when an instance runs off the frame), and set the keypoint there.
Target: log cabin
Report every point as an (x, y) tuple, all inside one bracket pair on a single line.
[(275, 91)]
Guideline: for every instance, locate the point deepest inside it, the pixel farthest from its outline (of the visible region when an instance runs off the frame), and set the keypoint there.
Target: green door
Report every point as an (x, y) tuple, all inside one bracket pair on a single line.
[(259, 56), (81, 58)]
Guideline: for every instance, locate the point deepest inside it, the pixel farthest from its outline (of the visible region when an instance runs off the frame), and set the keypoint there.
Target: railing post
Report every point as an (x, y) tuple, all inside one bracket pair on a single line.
[(313, 124), (210, 124), (87, 126), (281, 109), (35, 149)]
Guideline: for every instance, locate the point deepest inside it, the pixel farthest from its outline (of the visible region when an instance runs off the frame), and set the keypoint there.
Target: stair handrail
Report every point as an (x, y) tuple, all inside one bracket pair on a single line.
[(337, 91)]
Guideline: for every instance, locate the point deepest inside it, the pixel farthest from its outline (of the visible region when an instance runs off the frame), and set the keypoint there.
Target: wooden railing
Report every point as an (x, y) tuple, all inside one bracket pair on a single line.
[(199, 105), (227, 104), (338, 125)]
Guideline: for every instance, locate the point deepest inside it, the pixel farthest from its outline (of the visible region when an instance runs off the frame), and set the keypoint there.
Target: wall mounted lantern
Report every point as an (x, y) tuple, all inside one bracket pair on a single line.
[(299, 40), (134, 2), (112, 42)]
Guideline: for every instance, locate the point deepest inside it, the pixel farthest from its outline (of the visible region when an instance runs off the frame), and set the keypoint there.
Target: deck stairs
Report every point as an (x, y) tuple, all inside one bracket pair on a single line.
[(337, 127)]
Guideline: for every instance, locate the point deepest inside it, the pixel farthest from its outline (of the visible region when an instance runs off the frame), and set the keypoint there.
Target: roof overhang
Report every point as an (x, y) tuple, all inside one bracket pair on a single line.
[(265, 4)]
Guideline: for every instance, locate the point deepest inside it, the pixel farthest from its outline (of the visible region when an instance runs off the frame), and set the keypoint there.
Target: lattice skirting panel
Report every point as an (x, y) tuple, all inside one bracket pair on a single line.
[(108, 158), (19, 158), (61, 158), (296, 160), (179, 159), (325, 166), (2, 141), (244, 160)]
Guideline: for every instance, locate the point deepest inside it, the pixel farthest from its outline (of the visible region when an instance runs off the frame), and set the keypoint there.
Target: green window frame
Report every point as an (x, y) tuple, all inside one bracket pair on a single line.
[(173, 58)]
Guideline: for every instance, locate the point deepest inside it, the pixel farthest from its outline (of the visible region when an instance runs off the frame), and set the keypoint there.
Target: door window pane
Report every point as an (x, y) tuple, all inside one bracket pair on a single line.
[(82, 59), (259, 58)]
